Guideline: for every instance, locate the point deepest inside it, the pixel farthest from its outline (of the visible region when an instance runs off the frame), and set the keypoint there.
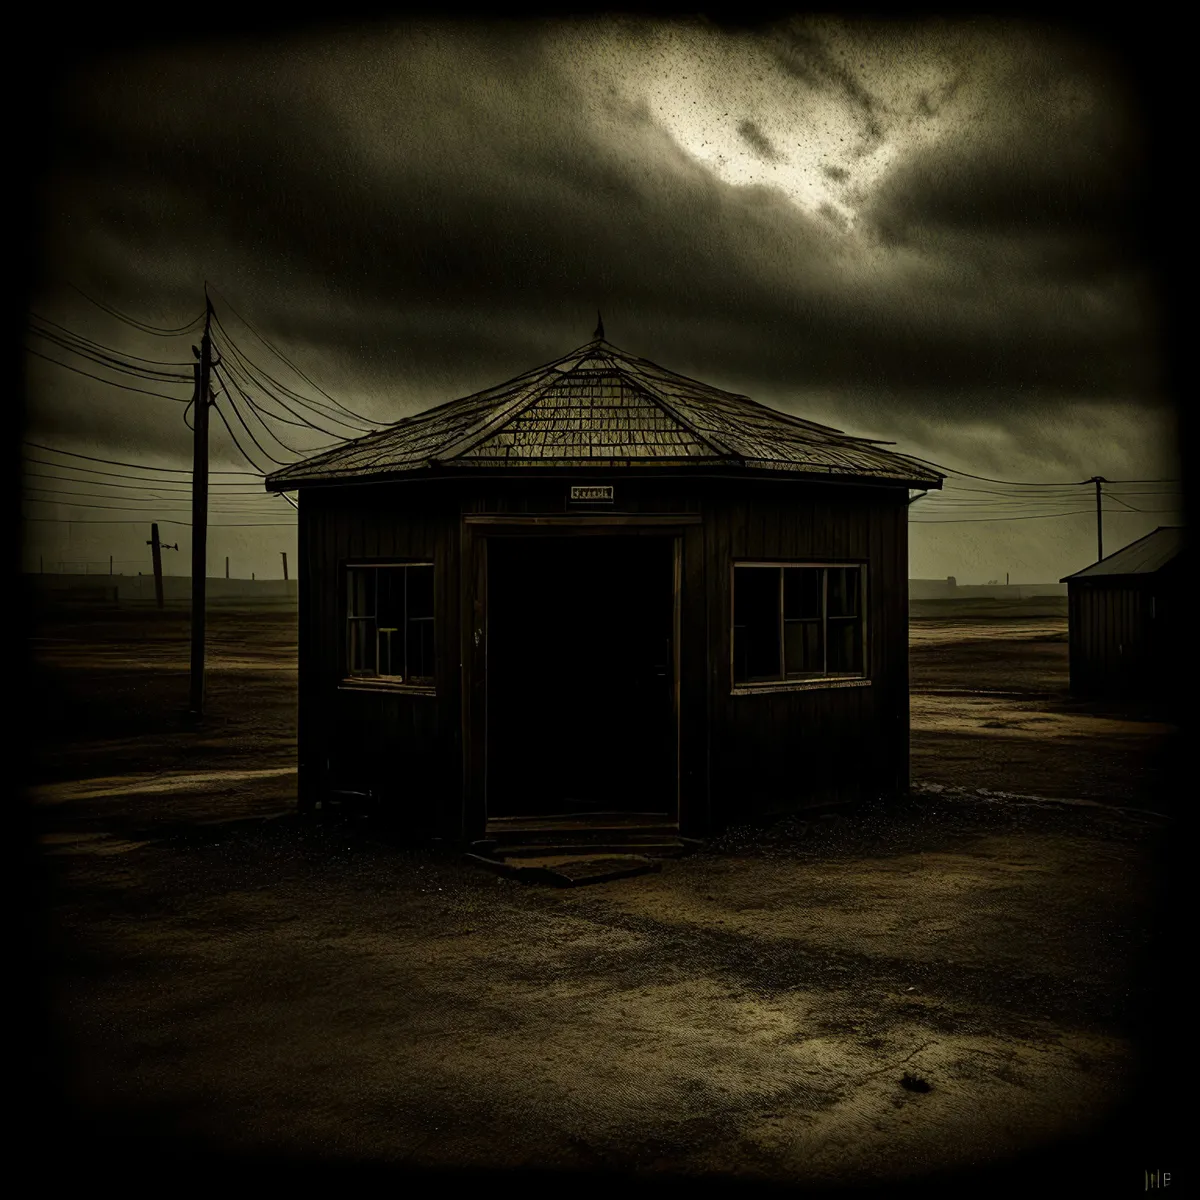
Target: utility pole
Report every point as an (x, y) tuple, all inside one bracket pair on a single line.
[(1098, 480), (203, 370), (156, 552), (157, 548), (284, 553), (227, 566)]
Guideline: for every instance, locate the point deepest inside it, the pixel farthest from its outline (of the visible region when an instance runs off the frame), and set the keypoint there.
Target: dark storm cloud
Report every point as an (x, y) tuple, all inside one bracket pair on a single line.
[(445, 204), (758, 141), (803, 54)]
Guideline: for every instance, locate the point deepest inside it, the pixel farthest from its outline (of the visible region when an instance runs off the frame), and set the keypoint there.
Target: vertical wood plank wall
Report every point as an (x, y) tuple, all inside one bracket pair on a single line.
[(782, 750), (741, 755), (405, 748), (1108, 624)]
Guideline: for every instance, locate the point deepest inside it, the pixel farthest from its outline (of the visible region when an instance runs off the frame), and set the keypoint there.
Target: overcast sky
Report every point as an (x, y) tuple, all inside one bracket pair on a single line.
[(932, 234)]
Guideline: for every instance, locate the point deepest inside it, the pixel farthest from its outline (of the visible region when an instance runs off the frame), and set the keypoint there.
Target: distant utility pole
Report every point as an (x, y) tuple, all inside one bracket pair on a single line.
[(284, 553), (156, 552), (156, 548), (1098, 480), (203, 371)]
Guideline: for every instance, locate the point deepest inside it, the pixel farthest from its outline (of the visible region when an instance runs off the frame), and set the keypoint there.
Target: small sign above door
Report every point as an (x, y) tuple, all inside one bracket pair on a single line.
[(591, 495)]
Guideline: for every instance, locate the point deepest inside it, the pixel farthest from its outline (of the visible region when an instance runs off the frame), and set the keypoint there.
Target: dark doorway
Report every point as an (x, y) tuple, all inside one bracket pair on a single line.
[(580, 676)]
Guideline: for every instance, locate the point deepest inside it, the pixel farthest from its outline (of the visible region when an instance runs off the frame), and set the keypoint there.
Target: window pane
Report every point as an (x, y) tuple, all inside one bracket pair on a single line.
[(362, 646), (756, 624), (420, 591), (420, 650), (801, 592), (803, 652), (844, 591), (361, 586), (389, 626), (845, 646)]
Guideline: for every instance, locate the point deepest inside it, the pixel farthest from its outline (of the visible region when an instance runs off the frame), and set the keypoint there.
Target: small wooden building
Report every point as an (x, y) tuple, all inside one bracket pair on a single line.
[(1126, 619), (602, 588)]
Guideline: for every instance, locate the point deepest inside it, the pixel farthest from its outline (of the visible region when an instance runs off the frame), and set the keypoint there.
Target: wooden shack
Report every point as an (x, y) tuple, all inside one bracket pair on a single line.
[(602, 594), (1125, 615)]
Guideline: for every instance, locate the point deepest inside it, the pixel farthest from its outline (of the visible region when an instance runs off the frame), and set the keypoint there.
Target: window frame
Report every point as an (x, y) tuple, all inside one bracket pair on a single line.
[(814, 682), (386, 683)]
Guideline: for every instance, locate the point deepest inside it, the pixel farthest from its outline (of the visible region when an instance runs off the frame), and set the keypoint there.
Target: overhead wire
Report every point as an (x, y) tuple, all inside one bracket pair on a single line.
[(100, 379), (248, 366), (107, 357), (116, 462), (79, 337), (258, 412), (284, 359), (143, 326)]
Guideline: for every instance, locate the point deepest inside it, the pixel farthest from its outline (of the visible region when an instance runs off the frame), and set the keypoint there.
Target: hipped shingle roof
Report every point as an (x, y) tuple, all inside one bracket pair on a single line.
[(601, 407)]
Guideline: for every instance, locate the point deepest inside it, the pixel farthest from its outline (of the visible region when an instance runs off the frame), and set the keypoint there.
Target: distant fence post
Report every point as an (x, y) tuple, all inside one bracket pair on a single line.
[(227, 566), (285, 575)]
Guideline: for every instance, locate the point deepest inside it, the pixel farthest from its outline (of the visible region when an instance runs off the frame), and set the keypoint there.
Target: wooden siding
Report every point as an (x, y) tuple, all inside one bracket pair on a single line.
[(740, 755), (1125, 634), (777, 750), (402, 747)]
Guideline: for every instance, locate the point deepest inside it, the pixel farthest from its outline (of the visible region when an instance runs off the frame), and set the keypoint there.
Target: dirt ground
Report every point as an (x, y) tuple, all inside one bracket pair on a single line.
[(956, 982)]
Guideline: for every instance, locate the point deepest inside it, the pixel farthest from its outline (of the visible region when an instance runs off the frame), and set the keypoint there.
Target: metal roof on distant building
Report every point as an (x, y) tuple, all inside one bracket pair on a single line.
[(1143, 557), (600, 407)]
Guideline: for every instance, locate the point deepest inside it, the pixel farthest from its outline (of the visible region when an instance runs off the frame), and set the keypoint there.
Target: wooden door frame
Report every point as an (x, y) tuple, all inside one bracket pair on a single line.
[(475, 532)]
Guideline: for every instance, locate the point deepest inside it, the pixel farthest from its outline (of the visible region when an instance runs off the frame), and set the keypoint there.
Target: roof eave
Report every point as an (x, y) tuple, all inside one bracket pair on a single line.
[(462, 469)]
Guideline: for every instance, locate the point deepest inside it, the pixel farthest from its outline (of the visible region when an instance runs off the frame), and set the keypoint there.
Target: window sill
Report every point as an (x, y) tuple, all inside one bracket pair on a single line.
[(797, 685), (386, 685)]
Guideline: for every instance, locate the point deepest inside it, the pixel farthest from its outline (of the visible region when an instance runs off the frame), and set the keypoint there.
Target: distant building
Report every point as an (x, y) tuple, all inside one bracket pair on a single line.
[(950, 589), (1126, 618), (932, 589), (602, 595)]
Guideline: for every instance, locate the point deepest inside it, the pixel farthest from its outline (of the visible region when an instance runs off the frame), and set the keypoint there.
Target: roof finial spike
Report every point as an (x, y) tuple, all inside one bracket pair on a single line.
[(599, 334)]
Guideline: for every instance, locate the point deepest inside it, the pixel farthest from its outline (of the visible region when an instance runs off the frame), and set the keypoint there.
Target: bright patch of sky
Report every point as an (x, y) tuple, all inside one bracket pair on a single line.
[(815, 112)]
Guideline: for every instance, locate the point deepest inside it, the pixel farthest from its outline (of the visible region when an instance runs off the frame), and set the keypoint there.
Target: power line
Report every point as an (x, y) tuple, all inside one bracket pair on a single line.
[(106, 356), (169, 521), (106, 507), (283, 358), (259, 412), (1014, 483), (156, 330), (237, 374), (156, 362), (235, 501), (164, 486), (116, 462), (251, 368), (111, 383), (1031, 517), (233, 435), (242, 421)]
